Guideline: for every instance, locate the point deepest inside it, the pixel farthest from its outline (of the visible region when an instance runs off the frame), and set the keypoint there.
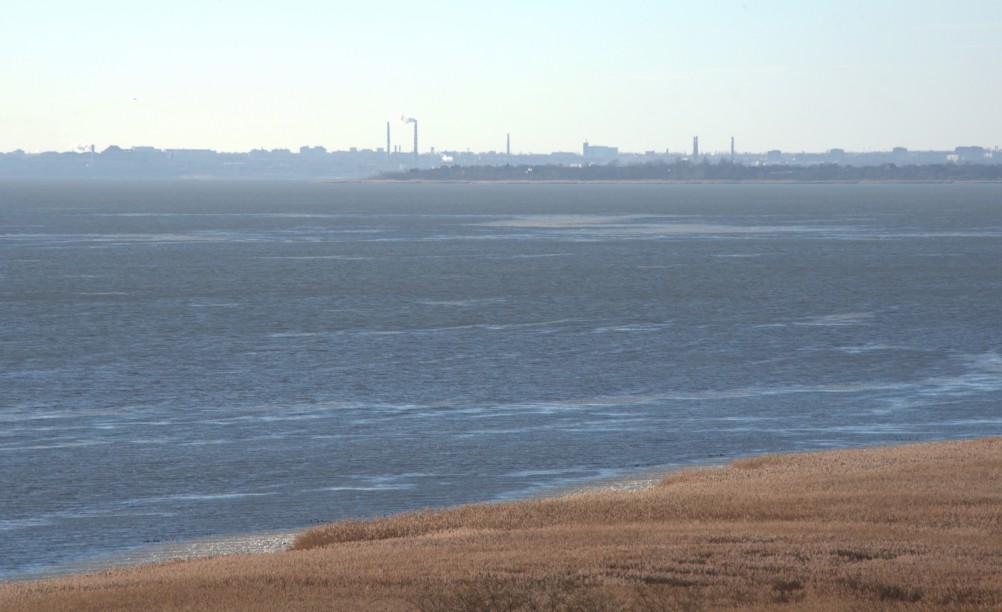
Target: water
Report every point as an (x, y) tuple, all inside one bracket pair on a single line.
[(183, 360)]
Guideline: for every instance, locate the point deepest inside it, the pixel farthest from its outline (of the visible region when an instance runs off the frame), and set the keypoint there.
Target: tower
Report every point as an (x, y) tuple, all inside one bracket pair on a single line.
[(407, 119), (695, 147)]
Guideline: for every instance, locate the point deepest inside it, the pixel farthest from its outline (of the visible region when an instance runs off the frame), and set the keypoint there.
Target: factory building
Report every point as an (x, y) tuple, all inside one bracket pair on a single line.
[(596, 153)]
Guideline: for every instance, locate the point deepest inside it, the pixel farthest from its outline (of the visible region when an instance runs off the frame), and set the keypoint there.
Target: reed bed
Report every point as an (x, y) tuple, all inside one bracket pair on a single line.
[(916, 527)]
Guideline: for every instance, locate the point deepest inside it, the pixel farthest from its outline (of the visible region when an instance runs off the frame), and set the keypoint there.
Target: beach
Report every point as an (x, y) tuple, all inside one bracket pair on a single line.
[(162, 552), (277, 541), (913, 525)]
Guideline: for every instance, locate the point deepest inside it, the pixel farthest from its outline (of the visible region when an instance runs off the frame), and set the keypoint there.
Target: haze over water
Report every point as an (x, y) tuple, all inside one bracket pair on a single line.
[(182, 360)]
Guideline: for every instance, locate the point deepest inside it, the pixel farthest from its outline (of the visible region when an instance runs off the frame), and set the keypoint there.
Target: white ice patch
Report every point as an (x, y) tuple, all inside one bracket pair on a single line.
[(848, 318)]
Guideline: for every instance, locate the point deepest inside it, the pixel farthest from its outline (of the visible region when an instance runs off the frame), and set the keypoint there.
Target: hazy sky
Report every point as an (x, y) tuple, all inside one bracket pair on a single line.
[(235, 75)]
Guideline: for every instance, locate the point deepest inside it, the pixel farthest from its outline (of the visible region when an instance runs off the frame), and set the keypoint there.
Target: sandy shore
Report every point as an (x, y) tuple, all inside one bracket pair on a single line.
[(271, 542), (254, 543), (910, 527)]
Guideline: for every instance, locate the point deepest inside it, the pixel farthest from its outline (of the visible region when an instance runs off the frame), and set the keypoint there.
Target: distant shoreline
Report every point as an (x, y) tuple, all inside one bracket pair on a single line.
[(687, 172), (424, 181)]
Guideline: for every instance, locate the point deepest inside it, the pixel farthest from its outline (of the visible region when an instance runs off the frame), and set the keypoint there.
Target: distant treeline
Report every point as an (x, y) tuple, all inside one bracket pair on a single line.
[(705, 171)]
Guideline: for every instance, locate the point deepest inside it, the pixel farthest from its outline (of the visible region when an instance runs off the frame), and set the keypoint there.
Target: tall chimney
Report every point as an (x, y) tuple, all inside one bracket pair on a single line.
[(695, 147), (732, 149), (388, 138), (415, 141), (508, 145)]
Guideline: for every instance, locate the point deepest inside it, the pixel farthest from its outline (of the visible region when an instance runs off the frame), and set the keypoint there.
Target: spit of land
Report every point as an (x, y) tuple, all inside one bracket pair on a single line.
[(910, 527)]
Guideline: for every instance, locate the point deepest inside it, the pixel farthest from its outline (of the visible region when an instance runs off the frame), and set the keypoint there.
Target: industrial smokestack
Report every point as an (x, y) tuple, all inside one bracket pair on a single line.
[(732, 149), (695, 147), (508, 145), (388, 138), (406, 119)]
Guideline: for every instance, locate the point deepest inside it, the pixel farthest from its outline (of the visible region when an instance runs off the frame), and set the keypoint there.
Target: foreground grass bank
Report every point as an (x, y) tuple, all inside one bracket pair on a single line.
[(915, 527)]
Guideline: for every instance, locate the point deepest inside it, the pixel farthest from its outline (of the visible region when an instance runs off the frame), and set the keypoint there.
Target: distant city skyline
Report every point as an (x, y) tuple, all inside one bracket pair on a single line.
[(594, 162), (637, 75)]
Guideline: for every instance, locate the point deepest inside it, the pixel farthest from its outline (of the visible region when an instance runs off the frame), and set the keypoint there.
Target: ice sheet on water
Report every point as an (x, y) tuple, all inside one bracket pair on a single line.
[(846, 318)]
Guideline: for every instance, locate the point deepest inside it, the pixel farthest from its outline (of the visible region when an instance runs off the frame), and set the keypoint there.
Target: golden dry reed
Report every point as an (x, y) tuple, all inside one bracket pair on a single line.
[(915, 527)]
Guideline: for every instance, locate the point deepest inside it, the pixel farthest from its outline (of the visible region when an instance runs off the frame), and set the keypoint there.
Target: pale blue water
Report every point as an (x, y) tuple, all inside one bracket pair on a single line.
[(182, 360)]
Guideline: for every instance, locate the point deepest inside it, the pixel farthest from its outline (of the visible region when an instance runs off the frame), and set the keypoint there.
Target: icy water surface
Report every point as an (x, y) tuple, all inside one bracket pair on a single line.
[(191, 360)]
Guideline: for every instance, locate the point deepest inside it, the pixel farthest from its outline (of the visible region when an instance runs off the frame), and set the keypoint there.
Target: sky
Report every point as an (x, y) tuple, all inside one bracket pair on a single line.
[(237, 75)]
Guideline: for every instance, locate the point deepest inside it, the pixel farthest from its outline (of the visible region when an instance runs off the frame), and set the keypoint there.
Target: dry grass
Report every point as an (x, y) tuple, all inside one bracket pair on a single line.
[(911, 527)]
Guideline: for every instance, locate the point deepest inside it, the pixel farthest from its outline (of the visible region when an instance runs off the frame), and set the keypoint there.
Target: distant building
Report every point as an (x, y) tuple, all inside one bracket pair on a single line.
[(970, 154), (313, 151), (599, 153)]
